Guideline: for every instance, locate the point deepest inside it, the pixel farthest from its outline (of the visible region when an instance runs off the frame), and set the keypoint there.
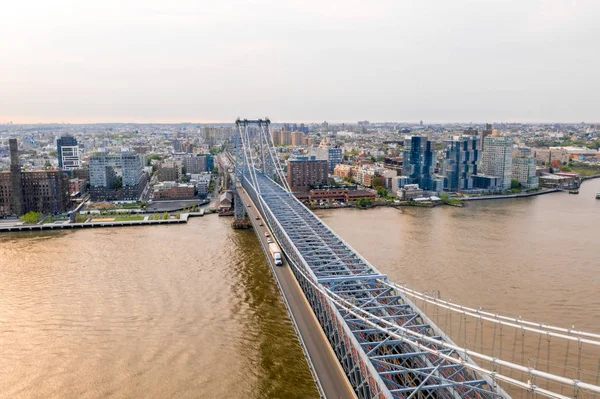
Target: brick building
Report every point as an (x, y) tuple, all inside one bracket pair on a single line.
[(304, 173), (44, 191)]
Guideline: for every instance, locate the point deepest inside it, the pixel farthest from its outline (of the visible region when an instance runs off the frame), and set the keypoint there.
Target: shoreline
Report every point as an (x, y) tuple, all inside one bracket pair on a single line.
[(124, 223), (464, 199)]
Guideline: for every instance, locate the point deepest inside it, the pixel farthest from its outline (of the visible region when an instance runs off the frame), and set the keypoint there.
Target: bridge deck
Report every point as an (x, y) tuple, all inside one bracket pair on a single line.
[(325, 365), (376, 363)]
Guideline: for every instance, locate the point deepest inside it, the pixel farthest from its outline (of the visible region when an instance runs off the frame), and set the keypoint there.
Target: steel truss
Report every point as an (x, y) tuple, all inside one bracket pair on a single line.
[(379, 362)]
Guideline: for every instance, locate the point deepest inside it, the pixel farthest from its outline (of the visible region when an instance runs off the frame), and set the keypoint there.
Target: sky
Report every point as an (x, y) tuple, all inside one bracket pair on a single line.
[(336, 60)]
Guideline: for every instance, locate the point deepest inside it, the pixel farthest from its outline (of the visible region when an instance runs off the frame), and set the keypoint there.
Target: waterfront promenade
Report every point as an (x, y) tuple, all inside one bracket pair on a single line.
[(91, 224)]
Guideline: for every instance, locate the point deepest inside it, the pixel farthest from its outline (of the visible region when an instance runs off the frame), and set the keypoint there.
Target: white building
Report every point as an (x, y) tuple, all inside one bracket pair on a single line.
[(497, 158), (202, 182), (523, 170)]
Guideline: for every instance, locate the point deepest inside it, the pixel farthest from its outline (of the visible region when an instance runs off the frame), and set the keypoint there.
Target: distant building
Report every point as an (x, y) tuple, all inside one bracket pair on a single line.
[(67, 151), (523, 170), (497, 158), (419, 161), (202, 183), (297, 139), (116, 176), (365, 175), (410, 192), (484, 133), (460, 162), (173, 191), (44, 191), (169, 171), (304, 173), (198, 163), (545, 156), (275, 135), (343, 171), (285, 138), (333, 156)]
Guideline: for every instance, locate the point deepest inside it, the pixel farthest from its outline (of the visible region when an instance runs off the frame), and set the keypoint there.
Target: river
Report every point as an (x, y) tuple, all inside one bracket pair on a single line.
[(192, 310), (186, 311)]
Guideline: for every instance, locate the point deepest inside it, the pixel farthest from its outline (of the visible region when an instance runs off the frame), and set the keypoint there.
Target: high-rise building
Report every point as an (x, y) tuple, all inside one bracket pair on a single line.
[(523, 168), (332, 155), (419, 161), (297, 138), (198, 163), (275, 136), (285, 137), (497, 158), (460, 162), (15, 178), (303, 173), (104, 180), (484, 133), (44, 191), (67, 151)]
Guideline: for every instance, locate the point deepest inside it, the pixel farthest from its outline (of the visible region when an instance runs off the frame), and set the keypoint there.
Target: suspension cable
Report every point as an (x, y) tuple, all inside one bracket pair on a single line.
[(538, 328)]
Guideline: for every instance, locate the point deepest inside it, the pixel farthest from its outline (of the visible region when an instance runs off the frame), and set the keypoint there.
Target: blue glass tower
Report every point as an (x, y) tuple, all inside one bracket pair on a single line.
[(419, 161)]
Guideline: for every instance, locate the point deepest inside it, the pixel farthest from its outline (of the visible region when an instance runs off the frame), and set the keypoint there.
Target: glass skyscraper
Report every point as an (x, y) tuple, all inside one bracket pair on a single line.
[(460, 163), (419, 161)]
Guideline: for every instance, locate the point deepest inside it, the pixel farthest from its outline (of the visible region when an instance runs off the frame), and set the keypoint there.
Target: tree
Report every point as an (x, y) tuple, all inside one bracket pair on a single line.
[(165, 216), (364, 203), (178, 215), (378, 182), (382, 192), (31, 218), (151, 158), (514, 183)]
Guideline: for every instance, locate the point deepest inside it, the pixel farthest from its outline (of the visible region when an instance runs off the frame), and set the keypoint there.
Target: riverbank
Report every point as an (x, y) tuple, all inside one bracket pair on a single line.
[(90, 224), (505, 196), (98, 223)]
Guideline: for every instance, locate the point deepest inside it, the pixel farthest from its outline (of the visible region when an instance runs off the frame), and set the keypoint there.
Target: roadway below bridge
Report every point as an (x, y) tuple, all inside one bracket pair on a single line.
[(325, 364)]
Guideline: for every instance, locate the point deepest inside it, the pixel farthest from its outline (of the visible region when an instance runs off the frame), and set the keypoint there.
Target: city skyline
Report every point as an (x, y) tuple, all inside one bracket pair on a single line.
[(529, 62)]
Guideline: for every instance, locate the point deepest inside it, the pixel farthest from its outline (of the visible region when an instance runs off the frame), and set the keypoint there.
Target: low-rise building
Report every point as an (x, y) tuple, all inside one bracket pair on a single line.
[(409, 192), (344, 171), (173, 191), (202, 183)]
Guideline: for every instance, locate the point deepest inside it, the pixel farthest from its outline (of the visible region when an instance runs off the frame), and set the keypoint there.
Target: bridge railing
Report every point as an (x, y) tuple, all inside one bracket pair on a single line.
[(371, 379)]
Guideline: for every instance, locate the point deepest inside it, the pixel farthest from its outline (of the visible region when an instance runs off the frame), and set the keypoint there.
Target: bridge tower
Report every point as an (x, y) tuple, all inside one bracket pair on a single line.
[(254, 152)]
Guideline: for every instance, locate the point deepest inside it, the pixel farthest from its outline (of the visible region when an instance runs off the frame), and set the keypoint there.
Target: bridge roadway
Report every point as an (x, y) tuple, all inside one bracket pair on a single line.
[(325, 365)]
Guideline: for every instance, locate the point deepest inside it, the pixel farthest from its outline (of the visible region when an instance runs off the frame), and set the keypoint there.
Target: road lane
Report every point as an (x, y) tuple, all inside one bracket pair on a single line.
[(328, 370)]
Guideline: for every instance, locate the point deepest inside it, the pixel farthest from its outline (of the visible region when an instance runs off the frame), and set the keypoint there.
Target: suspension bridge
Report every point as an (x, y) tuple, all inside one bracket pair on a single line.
[(365, 336)]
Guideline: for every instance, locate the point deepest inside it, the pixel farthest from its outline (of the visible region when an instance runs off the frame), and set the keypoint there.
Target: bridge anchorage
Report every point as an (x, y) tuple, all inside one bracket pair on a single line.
[(388, 346)]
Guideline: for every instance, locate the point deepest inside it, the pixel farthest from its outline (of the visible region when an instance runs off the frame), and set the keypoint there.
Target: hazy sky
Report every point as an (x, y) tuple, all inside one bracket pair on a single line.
[(346, 60)]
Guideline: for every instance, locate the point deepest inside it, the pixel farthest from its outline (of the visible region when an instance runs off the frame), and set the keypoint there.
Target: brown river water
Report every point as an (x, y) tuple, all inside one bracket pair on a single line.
[(192, 311)]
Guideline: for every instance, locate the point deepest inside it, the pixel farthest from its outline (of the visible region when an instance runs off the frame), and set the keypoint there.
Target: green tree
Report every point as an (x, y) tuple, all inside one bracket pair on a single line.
[(151, 158), (382, 192), (378, 182), (364, 203), (514, 183), (165, 216), (178, 215), (31, 218)]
